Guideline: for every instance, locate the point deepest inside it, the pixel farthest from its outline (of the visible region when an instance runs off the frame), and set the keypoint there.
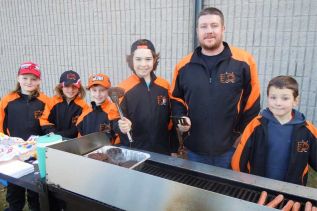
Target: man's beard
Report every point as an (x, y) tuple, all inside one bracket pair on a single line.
[(212, 47)]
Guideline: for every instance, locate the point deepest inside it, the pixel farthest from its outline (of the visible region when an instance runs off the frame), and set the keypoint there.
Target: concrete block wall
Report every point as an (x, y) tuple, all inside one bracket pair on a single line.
[(92, 36), (282, 36)]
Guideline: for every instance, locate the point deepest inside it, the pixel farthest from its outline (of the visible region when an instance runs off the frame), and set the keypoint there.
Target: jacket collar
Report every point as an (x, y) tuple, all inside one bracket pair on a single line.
[(153, 78), (196, 58), (100, 107)]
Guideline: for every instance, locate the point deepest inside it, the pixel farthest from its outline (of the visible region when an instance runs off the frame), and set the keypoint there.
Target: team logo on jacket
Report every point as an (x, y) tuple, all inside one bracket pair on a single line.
[(38, 114), (161, 100), (302, 146), (74, 119), (226, 78), (105, 128)]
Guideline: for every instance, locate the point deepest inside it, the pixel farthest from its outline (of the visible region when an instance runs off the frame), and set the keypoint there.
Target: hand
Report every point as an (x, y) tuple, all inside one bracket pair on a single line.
[(290, 205), (236, 142), (173, 154), (125, 125), (185, 128)]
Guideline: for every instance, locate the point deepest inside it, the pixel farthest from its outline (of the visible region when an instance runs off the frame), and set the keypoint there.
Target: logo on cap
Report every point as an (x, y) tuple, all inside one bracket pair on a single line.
[(29, 68), (25, 66), (71, 76), (97, 78)]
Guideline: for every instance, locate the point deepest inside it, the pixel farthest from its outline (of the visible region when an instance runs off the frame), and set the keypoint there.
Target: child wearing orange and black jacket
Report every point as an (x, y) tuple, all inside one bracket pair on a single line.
[(103, 115), (146, 103), (279, 144), (60, 116), (20, 111)]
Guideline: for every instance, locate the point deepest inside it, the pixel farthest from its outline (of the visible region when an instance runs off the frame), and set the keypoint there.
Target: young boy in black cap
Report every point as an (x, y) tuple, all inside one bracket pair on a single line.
[(146, 103), (60, 116)]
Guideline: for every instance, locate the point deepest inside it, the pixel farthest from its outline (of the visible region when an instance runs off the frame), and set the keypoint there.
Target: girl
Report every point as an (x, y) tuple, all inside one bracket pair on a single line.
[(66, 106), (20, 111), (103, 115), (146, 101)]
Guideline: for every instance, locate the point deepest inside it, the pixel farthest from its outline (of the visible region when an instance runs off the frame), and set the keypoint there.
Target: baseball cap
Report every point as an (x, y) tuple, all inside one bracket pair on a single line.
[(142, 44), (99, 79), (70, 77), (29, 68)]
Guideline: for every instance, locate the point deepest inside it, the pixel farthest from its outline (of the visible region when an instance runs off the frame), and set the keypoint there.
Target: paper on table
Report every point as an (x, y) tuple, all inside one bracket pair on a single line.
[(16, 168)]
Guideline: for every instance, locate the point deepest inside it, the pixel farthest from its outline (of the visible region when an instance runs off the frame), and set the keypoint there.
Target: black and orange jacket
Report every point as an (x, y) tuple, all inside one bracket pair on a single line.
[(148, 108), (60, 117), (251, 153), (219, 102), (103, 118), (19, 114)]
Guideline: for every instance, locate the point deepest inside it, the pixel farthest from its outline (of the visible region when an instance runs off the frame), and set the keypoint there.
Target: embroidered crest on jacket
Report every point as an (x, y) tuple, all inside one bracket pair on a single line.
[(162, 100), (227, 77), (302, 146)]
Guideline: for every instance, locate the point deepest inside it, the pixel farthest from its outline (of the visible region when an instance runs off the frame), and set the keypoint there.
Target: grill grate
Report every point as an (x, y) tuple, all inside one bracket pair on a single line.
[(214, 184)]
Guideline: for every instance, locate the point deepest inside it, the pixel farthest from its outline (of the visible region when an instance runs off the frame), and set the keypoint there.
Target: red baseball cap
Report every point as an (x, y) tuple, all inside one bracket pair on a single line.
[(29, 68)]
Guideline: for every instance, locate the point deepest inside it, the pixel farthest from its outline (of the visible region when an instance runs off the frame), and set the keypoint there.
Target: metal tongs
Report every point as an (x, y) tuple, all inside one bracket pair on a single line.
[(115, 93)]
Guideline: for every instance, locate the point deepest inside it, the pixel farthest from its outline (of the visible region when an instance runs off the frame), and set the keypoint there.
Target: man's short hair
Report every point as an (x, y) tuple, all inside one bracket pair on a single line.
[(284, 82), (211, 11)]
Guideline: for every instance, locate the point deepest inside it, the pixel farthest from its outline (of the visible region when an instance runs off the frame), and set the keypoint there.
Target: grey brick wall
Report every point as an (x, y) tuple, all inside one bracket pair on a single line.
[(93, 36), (90, 36), (281, 34)]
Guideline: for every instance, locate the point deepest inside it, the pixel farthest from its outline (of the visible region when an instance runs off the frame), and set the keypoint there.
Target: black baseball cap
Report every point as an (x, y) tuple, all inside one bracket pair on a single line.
[(70, 77), (142, 43)]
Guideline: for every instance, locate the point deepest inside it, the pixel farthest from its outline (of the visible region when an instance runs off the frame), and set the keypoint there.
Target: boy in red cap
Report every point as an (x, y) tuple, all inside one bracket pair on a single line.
[(20, 111), (103, 115), (66, 106)]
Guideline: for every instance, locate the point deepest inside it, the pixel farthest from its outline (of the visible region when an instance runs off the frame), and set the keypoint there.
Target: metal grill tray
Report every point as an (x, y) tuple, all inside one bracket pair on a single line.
[(128, 155)]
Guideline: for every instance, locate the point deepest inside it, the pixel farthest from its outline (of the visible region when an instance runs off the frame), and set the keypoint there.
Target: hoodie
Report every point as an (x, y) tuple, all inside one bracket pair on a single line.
[(279, 143)]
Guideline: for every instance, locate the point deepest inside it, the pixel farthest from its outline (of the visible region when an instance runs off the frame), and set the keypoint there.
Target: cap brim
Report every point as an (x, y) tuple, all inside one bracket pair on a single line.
[(28, 71), (101, 83), (71, 84)]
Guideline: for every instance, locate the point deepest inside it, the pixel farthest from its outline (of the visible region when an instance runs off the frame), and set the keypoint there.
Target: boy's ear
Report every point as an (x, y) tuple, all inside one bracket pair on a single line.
[(296, 101)]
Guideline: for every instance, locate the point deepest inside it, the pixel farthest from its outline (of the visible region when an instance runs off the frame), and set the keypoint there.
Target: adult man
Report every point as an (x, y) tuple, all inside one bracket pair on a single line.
[(216, 89)]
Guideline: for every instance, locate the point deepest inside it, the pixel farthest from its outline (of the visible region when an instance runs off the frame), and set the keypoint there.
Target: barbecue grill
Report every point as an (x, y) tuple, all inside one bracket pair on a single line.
[(163, 182)]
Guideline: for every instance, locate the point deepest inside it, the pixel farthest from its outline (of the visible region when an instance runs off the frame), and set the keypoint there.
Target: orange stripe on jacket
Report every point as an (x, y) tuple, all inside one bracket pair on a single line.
[(242, 55), (239, 103), (128, 84), (311, 128), (3, 105), (44, 98), (47, 110), (304, 173), (178, 67), (235, 162)]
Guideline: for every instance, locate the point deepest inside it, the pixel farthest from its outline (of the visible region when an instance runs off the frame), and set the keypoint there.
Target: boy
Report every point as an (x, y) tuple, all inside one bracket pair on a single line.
[(279, 143), (103, 115), (146, 103)]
